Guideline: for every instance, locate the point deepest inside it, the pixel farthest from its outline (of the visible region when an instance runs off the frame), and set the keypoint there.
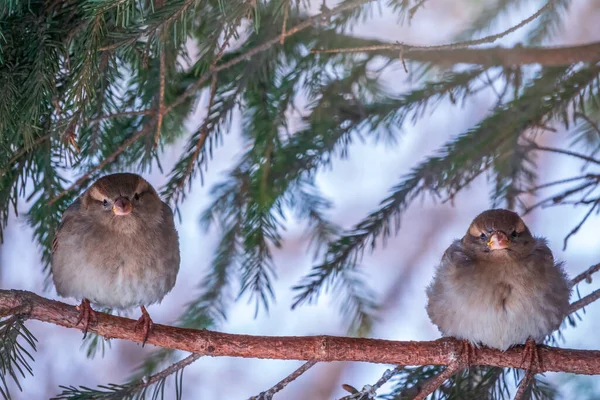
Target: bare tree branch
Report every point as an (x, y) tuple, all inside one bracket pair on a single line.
[(585, 275), (317, 348), (371, 390), (268, 395), (579, 304)]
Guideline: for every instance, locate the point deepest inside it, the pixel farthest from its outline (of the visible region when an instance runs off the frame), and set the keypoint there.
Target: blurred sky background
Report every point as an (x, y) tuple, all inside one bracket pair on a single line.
[(399, 272)]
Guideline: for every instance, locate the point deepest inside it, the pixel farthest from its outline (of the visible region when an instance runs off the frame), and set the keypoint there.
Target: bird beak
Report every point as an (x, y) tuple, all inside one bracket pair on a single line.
[(498, 241), (122, 206)]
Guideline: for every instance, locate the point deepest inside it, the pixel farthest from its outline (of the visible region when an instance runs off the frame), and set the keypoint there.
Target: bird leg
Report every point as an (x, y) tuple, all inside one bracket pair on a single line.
[(467, 352), (145, 324), (531, 356), (86, 315)]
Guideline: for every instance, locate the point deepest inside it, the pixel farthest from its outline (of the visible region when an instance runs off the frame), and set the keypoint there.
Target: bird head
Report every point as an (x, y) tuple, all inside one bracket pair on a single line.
[(122, 200), (499, 234)]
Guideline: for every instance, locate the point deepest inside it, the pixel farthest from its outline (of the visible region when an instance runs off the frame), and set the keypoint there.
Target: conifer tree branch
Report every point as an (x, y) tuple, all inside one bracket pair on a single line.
[(473, 42), (494, 56), (148, 127), (264, 47), (122, 114), (161, 97), (24, 151), (317, 348)]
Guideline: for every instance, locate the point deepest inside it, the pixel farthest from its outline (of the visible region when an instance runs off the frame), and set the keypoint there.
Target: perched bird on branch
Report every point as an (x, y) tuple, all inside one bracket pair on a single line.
[(117, 247), (499, 286)]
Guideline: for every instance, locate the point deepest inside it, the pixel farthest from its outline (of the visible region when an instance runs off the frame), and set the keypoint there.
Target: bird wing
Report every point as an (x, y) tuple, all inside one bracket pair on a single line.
[(456, 255), (67, 215)]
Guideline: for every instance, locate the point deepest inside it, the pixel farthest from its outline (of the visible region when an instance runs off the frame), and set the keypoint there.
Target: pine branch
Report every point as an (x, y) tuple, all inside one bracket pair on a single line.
[(135, 390), (486, 19), (307, 23), (459, 45), (88, 175), (161, 97), (15, 358), (456, 165), (495, 56), (316, 348)]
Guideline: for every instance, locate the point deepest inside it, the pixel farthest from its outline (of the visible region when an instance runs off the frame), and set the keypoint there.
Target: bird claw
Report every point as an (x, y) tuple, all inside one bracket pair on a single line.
[(86, 315), (145, 324), (467, 352), (531, 356)]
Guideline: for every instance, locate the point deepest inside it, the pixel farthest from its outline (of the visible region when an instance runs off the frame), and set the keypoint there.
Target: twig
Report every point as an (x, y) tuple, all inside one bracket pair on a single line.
[(264, 47), (268, 395), (286, 12), (456, 45), (565, 152), (161, 98), (204, 131), (586, 275), (576, 229), (171, 369), (524, 384), (588, 120), (430, 385), (122, 114), (152, 29), (579, 304), (104, 162), (24, 151), (413, 10), (316, 348), (561, 181), (372, 389)]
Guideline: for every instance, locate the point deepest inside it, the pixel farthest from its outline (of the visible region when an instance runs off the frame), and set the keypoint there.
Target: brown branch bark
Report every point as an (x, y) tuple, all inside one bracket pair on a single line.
[(317, 348), (495, 56)]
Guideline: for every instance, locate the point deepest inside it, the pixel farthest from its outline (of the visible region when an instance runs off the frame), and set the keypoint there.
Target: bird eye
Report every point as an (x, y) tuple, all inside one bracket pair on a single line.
[(514, 234), (136, 196), (483, 236), (105, 202)]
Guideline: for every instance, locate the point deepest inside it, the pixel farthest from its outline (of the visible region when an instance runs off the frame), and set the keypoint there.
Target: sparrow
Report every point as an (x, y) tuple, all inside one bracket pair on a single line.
[(499, 286), (116, 247)]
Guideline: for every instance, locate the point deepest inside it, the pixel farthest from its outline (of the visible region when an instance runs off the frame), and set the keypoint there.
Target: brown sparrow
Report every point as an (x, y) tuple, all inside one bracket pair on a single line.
[(498, 286), (117, 247)]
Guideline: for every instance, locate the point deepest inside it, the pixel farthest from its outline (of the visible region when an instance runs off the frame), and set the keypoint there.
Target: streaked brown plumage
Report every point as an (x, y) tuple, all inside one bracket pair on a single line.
[(117, 247), (498, 286)]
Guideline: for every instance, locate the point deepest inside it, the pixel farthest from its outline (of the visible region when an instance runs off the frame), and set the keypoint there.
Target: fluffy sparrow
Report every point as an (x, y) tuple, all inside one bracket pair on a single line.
[(498, 286), (117, 247)]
